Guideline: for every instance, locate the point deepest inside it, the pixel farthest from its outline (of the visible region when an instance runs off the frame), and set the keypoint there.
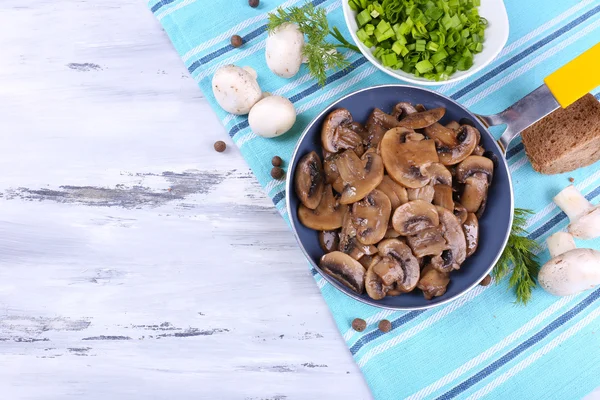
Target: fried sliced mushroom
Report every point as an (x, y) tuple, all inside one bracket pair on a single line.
[(428, 242), (327, 216), (389, 270), (349, 244), (443, 197), (471, 230), (368, 261), (359, 175), (370, 216), (331, 139), (406, 163), (425, 193), (309, 180), (454, 125), (375, 130), (329, 241), (433, 283), (398, 251), (345, 269), (455, 238), (479, 151), (395, 192), (476, 173), (402, 110), (461, 212), (374, 286), (414, 216), (423, 119), (466, 141), (442, 135), (439, 174)]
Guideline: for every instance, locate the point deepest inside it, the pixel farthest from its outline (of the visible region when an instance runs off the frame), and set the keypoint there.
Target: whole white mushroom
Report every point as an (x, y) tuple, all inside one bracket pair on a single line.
[(284, 50), (272, 116), (236, 89), (571, 270), (584, 216)]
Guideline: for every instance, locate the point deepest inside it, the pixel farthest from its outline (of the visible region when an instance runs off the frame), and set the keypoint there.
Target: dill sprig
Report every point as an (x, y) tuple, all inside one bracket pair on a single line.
[(320, 55), (520, 252)]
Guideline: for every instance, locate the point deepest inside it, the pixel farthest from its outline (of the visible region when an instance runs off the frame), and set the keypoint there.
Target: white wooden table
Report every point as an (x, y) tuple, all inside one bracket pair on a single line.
[(135, 261)]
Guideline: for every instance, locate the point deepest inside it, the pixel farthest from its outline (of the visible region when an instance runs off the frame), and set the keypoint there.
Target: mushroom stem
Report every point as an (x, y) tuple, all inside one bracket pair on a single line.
[(560, 243), (573, 203)]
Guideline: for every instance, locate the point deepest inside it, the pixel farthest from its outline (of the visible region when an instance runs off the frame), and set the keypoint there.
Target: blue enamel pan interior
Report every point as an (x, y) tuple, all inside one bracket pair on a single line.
[(494, 226)]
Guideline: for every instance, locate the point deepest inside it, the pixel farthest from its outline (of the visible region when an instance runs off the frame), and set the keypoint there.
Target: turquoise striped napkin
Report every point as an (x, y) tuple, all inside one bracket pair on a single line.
[(481, 345)]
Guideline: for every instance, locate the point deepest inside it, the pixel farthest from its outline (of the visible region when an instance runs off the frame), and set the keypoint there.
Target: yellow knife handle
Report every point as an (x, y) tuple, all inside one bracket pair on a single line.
[(575, 79)]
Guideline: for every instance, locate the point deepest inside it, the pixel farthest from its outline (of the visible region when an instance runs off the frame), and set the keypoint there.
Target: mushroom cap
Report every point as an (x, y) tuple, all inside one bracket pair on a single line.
[(272, 116), (441, 135), (422, 119), (433, 283), (329, 241), (335, 139), (428, 242), (389, 270), (472, 165), (359, 175), (375, 130), (309, 180), (395, 192), (349, 244), (467, 138), (235, 89), (328, 215), (439, 174), (443, 197), (402, 110), (474, 194), (414, 216), (570, 273), (370, 216), (587, 226), (374, 286), (471, 230), (406, 163), (398, 251), (345, 269), (455, 237), (283, 50)]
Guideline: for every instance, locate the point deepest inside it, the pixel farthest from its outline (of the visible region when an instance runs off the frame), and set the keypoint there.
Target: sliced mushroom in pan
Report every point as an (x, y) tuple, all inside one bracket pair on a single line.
[(327, 216), (471, 230), (425, 193), (398, 251), (374, 286), (413, 217), (422, 119), (395, 192), (439, 174), (443, 197), (345, 269), (309, 180), (403, 109), (428, 242), (455, 237), (460, 212), (359, 175), (406, 163), (334, 140), (368, 261), (329, 241), (349, 244), (476, 173), (433, 283), (442, 135), (466, 141), (370, 216)]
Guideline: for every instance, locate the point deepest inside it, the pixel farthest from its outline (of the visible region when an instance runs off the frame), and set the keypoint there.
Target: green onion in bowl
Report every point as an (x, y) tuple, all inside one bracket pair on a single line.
[(426, 38)]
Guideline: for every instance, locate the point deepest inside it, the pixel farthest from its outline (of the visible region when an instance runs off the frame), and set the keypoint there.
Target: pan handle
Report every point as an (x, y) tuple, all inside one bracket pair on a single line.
[(524, 113)]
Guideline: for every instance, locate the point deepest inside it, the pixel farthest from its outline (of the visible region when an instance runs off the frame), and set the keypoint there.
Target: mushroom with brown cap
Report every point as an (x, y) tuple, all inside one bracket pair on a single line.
[(370, 216), (344, 269), (424, 193), (336, 134), (455, 238), (433, 283), (374, 286), (428, 242), (406, 270), (460, 212), (443, 196), (359, 175), (407, 162), (395, 192), (414, 216), (442, 135), (466, 141), (309, 180), (422, 119), (349, 244), (403, 109), (476, 173), (327, 216), (369, 260), (375, 130), (471, 230), (439, 174), (584, 216), (329, 241), (571, 270)]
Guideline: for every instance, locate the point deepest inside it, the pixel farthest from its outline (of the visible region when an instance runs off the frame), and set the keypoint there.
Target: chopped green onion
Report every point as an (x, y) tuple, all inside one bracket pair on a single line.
[(389, 59), (424, 66), (420, 45), (362, 35), (369, 29), (363, 17)]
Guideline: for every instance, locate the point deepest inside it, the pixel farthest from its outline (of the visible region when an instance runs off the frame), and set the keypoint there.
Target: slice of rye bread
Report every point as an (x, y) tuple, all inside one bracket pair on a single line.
[(566, 139)]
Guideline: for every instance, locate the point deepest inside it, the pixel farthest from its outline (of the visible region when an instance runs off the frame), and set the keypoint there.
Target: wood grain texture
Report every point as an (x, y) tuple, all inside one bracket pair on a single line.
[(135, 261)]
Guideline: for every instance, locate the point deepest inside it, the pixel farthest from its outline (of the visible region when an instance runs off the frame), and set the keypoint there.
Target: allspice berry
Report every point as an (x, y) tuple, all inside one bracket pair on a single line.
[(277, 173), (277, 161), (486, 281), (385, 326), (237, 41), (253, 3), (359, 324), (220, 146)]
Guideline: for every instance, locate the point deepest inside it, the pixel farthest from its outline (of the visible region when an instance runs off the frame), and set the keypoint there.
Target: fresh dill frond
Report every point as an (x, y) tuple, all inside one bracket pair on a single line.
[(520, 252), (312, 21)]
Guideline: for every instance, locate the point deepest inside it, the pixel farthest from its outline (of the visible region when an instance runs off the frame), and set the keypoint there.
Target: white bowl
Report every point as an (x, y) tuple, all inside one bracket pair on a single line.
[(496, 35)]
